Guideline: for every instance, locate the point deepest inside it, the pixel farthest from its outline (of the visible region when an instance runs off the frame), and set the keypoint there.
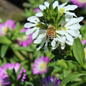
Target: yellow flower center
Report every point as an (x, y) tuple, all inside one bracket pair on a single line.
[(23, 38), (42, 65), (61, 28), (62, 10), (64, 28), (6, 29), (37, 24)]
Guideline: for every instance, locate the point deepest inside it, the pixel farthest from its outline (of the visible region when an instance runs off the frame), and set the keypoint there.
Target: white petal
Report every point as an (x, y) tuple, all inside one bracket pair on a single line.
[(55, 46), (40, 46), (74, 20), (42, 36), (37, 41), (70, 7), (68, 17), (74, 27), (73, 33), (42, 7), (55, 4), (53, 43), (69, 43), (69, 38), (46, 4), (62, 46), (28, 25), (61, 6), (61, 31), (71, 14), (45, 48), (39, 14), (63, 38), (58, 39), (33, 19), (42, 31), (28, 32), (35, 34), (40, 39)]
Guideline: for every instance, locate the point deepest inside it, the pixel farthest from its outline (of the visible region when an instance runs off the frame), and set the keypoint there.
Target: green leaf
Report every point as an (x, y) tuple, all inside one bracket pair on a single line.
[(3, 50), (28, 83), (69, 78), (5, 40), (17, 30), (21, 48), (78, 51)]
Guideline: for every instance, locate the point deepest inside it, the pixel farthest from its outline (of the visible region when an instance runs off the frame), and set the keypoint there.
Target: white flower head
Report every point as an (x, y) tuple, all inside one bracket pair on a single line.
[(61, 8), (66, 25), (46, 5), (70, 30), (65, 9)]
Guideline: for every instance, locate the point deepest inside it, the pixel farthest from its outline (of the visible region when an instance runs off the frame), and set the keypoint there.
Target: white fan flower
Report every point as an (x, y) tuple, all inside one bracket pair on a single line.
[(70, 31), (46, 5), (61, 8), (33, 24), (65, 9)]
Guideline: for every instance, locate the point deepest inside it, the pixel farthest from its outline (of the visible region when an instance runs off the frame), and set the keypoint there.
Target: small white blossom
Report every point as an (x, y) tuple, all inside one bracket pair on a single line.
[(46, 5), (65, 9), (70, 31), (61, 8)]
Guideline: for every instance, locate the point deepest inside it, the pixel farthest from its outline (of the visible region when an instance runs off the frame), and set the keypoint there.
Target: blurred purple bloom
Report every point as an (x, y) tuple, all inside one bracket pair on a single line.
[(9, 24), (25, 40), (50, 81), (36, 10), (83, 41), (3, 79), (15, 67), (80, 3), (40, 65)]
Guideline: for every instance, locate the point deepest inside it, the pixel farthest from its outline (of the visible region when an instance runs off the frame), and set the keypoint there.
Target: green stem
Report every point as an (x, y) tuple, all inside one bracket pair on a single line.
[(24, 53), (19, 55)]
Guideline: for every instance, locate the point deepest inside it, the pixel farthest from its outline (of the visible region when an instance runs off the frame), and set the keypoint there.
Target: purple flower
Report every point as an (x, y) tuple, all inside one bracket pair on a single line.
[(80, 3), (3, 79), (40, 65), (25, 40), (36, 10), (50, 81), (9, 24), (15, 67), (83, 41)]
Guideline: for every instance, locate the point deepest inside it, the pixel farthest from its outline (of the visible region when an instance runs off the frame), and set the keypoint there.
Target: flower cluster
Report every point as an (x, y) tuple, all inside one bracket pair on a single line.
[(50, 81), (54, 24), (4, 76), (8, 25), (40, 67), (80, 3)]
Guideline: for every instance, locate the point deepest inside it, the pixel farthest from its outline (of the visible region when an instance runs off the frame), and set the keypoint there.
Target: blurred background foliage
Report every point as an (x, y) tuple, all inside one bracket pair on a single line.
[(62, 62)]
